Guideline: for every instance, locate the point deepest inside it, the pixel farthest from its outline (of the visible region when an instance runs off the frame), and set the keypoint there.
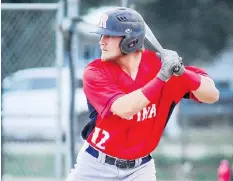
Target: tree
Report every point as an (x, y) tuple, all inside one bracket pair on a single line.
[(198, 30)]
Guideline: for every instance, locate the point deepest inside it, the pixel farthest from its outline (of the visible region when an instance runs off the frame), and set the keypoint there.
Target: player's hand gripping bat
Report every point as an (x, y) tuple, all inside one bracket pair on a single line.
[(155, 43)]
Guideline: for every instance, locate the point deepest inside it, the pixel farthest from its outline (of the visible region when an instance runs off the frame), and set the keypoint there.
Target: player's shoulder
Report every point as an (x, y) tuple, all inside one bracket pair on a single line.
[(175, 80), (94, 70), (196, 69), (94, 66), (95, 63)]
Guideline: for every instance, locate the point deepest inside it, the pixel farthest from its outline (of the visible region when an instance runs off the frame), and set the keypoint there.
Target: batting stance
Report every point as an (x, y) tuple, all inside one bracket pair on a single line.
[(131, 93)]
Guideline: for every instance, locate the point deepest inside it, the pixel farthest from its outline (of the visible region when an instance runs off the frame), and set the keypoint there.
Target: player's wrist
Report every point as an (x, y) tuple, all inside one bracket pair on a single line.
[(153, 89), (191, 79), (163, 77)]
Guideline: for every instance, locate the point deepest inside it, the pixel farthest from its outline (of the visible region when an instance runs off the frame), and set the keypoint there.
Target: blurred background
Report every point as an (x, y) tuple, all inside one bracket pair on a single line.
[(45, 45)]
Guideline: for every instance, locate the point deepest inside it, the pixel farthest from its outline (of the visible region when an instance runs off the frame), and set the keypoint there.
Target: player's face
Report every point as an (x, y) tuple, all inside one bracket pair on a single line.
[(110, 48)]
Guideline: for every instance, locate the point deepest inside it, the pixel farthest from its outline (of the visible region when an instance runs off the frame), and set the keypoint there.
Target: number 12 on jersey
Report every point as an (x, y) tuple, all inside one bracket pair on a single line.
[(96, 134)]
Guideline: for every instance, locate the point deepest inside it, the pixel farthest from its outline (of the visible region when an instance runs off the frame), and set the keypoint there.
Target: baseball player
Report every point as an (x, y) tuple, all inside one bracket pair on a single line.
[(131, 94)]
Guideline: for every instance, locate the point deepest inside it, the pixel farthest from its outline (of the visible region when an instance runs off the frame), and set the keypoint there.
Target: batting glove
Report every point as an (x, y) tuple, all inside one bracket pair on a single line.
[(171, 63)]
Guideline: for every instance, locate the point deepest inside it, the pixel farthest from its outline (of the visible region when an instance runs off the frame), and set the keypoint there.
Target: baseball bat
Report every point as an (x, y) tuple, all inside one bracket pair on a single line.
[(151, 38), (155, 43)]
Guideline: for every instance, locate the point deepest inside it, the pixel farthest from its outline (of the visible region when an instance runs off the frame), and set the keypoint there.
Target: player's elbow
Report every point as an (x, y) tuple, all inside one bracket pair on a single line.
[(207, 92), (214, 96), (211, 97), (122, 112), (130, 104), (213, 93)]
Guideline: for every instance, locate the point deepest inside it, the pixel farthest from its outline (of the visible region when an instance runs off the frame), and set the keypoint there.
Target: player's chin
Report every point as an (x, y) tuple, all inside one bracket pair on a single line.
[(105, 58)]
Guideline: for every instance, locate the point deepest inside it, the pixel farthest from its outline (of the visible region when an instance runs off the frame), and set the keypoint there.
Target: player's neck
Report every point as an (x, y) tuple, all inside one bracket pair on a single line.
[(130, 63)]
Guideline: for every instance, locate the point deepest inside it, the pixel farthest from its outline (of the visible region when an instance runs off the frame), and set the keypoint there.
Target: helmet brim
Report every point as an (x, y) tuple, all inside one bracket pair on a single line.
[(104, 31)]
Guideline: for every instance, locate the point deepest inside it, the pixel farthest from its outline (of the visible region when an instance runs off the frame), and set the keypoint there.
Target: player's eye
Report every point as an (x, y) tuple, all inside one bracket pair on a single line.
[(107, 36)]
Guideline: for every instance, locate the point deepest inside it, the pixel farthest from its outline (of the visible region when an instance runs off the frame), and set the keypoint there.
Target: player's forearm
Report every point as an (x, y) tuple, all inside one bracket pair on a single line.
[(130, 104), (202, 87), (207, 92)]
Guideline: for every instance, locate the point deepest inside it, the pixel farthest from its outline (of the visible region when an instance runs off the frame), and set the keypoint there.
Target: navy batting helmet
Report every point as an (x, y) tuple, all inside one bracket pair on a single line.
[(125, 22)]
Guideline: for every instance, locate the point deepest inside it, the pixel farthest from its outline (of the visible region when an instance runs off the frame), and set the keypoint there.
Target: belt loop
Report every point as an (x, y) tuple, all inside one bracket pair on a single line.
[(138, 162), (101, 158)]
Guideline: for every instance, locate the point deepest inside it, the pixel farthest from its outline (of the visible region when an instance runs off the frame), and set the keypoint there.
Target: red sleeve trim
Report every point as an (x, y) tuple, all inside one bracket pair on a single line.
[(198, 71), (106, 111)]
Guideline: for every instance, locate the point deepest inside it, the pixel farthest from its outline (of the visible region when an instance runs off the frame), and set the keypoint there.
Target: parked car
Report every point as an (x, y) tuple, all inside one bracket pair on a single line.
[(30, 103), (205, 114)]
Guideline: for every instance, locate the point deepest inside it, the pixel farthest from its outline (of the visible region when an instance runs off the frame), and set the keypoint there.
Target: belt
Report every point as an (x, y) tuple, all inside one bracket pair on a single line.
[(120, 163)]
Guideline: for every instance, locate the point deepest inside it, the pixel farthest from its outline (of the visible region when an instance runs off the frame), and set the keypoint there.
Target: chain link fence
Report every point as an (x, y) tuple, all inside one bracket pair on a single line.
[(30, 103), (28, 39)]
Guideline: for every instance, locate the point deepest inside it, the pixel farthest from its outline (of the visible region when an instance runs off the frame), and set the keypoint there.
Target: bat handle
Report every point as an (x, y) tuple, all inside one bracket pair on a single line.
[(160, 49), (176, 69)]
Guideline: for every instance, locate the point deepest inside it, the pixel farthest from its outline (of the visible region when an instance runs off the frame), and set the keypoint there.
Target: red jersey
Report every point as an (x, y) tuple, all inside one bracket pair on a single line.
[(138, 136)]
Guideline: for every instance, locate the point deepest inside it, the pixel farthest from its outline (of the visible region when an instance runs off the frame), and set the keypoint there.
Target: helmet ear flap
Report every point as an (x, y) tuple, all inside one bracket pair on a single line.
[(132, 43), (129, 45)]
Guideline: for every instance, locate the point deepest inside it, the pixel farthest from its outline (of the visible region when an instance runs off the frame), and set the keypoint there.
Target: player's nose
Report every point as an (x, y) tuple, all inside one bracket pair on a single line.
[(103, 40)]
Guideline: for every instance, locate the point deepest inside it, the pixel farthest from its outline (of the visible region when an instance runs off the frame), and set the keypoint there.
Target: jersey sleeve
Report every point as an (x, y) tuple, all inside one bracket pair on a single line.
[(100, 89), (197, 70)]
